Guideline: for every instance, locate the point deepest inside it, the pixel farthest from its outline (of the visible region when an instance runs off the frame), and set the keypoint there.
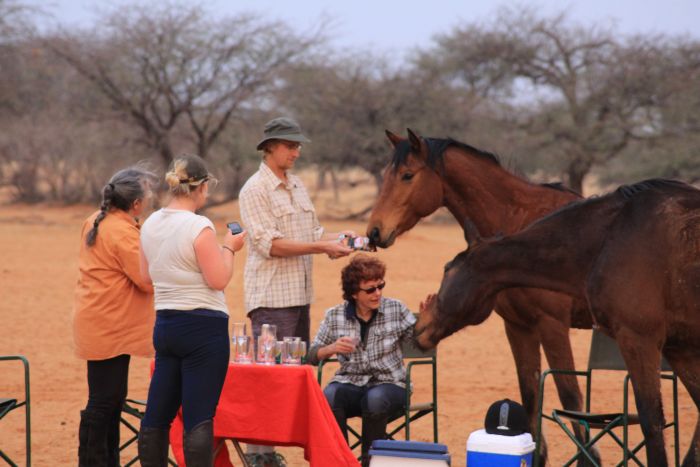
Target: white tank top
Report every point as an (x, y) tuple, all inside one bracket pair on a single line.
[(167, 239)]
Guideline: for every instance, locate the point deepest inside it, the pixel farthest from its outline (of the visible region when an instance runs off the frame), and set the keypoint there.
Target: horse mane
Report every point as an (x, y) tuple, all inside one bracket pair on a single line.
[(559, 186), (436, 152), (628, 191)]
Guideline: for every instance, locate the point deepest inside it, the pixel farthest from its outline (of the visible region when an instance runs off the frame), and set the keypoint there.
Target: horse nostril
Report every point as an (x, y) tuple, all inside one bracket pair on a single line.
[(374, 235)]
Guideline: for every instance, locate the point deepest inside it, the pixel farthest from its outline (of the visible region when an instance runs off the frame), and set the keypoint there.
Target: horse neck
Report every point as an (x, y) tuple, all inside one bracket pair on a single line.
[(556, 253), (495, 200)]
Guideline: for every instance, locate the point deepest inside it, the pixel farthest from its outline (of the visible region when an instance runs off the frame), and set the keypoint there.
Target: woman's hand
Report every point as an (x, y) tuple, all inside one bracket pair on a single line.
[(235, 242), (343, 345), (429, 302)]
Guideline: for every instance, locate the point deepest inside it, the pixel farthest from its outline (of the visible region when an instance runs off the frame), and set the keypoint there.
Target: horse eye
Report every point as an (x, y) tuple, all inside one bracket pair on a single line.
[(407, 176)]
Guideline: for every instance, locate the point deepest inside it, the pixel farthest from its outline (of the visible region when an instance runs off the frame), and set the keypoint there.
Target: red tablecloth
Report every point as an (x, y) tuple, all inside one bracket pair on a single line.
[(275, 405)]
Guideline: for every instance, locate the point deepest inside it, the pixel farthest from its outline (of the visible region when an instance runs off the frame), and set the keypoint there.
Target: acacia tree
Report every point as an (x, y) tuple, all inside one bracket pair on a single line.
[(347, 103), (582, 94), (176, 73)]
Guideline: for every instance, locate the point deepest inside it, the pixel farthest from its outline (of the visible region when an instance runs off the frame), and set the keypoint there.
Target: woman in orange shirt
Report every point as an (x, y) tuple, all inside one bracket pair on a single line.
[(113, 317)]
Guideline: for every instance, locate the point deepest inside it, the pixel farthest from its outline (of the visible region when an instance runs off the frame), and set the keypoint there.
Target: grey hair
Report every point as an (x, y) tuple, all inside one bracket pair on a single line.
[(122, 190)]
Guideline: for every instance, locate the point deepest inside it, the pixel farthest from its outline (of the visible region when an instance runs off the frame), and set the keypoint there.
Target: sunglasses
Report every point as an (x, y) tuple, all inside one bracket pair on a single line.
[(371, 290)]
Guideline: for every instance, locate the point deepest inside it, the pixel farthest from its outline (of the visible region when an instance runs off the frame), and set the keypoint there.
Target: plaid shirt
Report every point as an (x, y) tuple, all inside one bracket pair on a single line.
[(271, 209), (377, 360)]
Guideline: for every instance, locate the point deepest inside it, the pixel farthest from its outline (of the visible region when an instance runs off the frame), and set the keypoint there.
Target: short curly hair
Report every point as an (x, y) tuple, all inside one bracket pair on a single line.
[(360, 268)]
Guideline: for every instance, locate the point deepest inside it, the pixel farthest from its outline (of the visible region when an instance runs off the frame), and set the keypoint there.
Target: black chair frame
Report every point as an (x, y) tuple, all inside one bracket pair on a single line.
[(7, 405)]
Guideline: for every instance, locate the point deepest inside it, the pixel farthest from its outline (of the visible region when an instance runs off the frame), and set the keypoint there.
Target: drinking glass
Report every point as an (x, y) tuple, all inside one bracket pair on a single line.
[(301, 352), (278, 351), (243, 349), (239, 329), (266, 350), (355, 338), (290, 349)]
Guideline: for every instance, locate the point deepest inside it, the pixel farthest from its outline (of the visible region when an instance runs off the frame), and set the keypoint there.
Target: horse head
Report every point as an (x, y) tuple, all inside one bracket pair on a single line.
[(462, 300), (411, 189)]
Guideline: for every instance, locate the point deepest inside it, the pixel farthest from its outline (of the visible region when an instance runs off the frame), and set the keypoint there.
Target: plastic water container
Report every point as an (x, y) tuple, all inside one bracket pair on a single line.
[(389, 453), (485, 450)]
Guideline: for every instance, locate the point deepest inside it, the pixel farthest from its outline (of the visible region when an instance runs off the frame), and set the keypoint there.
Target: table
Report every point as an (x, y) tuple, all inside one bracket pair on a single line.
[(275, 405)]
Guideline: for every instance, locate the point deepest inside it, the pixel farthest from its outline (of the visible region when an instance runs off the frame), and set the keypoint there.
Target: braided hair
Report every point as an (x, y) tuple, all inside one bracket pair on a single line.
[(123, 189)]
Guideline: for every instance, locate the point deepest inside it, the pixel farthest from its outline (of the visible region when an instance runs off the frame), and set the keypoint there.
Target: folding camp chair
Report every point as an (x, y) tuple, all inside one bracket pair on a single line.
[(413, 410), (136, 409), (604, 355), (7, 405)]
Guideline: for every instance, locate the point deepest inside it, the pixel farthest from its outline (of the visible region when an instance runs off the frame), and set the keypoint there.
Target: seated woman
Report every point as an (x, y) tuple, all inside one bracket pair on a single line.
[(365, 332)]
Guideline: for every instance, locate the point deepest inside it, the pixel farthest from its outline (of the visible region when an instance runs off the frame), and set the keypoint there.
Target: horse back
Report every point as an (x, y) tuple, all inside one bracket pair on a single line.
[(647, 275)]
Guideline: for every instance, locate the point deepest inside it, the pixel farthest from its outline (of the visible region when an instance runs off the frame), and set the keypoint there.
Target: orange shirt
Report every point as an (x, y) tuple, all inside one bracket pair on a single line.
[(114, 312)]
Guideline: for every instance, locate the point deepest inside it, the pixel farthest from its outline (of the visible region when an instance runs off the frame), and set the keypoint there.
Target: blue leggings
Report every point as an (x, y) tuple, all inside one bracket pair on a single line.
[(192, 354)]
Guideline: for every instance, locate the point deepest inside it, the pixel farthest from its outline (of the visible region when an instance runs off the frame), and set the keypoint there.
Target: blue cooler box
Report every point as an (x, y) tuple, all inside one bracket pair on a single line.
[(485, 450), (389, 453)]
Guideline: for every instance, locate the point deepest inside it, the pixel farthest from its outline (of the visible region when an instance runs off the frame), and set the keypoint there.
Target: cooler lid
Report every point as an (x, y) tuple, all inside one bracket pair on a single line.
[(413, 446), (480, 441), (409, 454)]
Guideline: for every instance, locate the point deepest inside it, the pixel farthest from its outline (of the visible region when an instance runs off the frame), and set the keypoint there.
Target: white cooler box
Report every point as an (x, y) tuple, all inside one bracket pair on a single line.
[(485, 450), (389, 453)]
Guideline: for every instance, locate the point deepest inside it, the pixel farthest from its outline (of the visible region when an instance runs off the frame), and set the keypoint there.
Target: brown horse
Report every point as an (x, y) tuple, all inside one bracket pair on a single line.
[(633, 255), (426, 174)]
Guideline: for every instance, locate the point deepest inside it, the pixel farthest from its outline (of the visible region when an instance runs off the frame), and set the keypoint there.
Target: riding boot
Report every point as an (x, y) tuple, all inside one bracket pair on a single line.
[(153, 446), (92, 436), (198, 445), (113, 439)]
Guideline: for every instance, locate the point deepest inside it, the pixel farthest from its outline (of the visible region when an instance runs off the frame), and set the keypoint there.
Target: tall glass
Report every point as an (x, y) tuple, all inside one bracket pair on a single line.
[(237, 338), (354, 336), (239, 329), (266, 350), (290, 350), (243, 350)]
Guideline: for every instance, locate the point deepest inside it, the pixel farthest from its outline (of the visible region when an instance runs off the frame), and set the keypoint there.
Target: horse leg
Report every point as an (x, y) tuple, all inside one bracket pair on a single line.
[(557, 348), (525, 346), (687, 367), (643, 359)]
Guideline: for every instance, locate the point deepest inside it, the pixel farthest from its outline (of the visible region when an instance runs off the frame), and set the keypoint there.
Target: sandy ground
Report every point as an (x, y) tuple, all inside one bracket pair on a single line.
[(37, 277)]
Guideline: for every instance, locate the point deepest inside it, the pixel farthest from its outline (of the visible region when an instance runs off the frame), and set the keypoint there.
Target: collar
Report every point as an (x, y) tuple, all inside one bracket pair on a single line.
[(272, 182), (123, 215), (351, 310)]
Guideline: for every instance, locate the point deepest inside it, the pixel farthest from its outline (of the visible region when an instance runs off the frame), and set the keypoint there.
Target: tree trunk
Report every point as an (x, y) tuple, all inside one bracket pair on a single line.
[(576, 172)]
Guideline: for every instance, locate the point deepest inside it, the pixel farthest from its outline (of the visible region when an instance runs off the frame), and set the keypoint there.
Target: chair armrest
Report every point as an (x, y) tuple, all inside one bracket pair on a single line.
[(319, 371), (25, 363), (409, 367)]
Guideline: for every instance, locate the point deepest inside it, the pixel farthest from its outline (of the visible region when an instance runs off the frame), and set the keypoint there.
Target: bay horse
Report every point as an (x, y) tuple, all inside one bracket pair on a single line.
[(427, 173), (633, 255)]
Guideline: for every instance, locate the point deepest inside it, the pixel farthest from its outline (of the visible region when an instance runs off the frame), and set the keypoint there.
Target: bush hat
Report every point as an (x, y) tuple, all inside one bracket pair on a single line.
[(283, 128), (506, 417)]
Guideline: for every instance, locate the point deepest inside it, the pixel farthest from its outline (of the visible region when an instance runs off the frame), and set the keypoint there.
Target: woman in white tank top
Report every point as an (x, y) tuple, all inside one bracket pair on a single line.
[(189, 270)]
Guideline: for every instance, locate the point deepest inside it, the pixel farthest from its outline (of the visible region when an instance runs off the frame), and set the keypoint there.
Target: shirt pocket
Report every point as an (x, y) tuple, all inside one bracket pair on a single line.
[(304, 202), (281, 206), (386, 337)]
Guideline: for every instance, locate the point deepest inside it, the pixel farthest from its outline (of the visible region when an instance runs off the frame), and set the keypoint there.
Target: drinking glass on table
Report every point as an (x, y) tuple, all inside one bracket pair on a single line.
[(302, 352), (243, 349), (266, 350), (278, 351)]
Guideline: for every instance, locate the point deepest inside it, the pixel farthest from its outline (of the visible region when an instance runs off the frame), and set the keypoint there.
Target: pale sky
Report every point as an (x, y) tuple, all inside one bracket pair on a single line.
[(393, 26)]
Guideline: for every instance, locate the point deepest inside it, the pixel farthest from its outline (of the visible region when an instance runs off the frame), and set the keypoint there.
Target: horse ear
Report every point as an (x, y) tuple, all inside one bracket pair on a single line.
[(415, 140), (394, 139), (471, 233)]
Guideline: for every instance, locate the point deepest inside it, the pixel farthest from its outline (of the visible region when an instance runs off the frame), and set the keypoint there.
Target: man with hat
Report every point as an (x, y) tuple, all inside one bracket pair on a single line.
[(283, 233)]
